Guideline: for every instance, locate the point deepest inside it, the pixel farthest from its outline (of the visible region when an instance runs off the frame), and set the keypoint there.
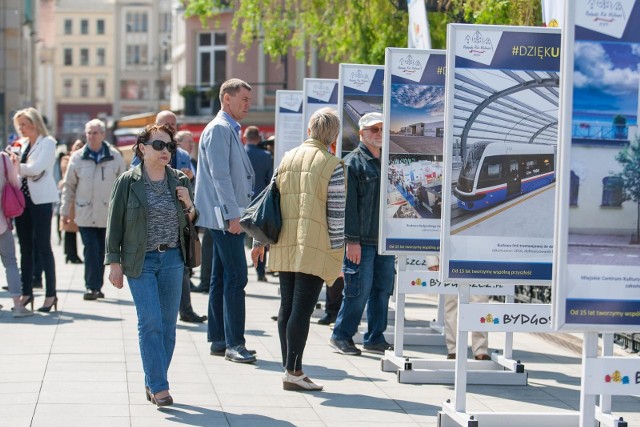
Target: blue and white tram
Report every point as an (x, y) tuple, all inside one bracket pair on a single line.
[(497, 171)]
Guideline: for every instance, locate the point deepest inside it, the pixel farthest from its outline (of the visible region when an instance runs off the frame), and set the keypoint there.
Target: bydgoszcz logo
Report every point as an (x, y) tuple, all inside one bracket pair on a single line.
[(477, 45), (320, 90), (608, 17), (619, 378), (291, 102), (490, 319), (419, 282), (409, 66), (358, 78)]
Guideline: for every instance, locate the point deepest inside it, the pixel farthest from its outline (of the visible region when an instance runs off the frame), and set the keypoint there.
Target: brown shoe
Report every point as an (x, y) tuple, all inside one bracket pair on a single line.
[(451, 356), (482, 357)]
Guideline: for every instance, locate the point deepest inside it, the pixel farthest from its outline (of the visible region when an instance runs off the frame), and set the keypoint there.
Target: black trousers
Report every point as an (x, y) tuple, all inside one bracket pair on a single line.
[(298, 297)]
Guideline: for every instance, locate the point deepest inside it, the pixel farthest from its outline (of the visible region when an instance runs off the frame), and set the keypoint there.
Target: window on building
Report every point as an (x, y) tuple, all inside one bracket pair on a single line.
[(74, 122), (134, 89), (137, 22), (100, 26), (137, 54), (84, 26), (67, 88), (84, 88), (68, 27), (612, 191), (68, 56), (84, 56), (101, 88), (165, 22), (101, 56), (211, 64), (574, 188)]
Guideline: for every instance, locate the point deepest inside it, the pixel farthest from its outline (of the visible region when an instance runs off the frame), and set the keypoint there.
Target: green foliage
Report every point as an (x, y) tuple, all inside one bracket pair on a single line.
[(351, 31), (629, 158)]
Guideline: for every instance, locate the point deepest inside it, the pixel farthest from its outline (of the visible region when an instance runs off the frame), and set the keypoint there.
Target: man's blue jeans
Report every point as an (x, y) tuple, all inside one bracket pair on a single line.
[(369, 283), (93, 241), (226, 293), (156, 295)]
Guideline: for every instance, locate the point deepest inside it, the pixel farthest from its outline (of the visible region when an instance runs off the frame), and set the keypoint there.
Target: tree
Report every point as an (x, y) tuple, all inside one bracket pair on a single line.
[(352, 31), (629, 157)]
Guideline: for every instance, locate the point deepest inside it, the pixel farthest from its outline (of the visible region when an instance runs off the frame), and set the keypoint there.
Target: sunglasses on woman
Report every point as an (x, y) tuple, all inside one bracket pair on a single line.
[(160, 145)]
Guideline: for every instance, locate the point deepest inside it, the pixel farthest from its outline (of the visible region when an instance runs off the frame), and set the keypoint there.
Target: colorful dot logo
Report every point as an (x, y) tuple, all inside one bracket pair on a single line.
[(616, 377), (490, 319), (419, 282)]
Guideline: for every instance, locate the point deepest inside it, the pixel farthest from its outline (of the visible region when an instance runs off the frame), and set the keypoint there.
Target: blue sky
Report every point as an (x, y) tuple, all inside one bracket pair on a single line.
[(606, 77), (415, 103)]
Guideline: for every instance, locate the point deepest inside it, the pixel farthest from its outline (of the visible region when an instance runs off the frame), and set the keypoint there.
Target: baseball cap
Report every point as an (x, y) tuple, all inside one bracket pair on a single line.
[(369, 119)]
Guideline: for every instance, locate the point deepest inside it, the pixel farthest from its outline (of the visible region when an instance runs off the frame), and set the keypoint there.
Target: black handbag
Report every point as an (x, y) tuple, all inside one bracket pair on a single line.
[(192, 240), (262, 219)]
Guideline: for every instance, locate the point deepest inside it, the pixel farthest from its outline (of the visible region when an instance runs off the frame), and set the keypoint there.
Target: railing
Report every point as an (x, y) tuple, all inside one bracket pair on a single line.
[(601, 132)]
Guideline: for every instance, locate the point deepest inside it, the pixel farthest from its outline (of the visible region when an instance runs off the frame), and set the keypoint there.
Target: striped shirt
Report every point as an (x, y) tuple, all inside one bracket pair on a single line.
[(336, 201), (163, 225)]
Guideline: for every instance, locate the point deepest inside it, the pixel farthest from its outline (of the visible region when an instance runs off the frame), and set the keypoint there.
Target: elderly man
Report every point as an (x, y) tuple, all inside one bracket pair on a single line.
[(368, 276), (87, 185), (225, 180)]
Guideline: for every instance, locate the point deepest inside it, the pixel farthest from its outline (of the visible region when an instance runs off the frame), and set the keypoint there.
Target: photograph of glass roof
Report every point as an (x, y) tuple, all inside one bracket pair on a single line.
[(505, 105)]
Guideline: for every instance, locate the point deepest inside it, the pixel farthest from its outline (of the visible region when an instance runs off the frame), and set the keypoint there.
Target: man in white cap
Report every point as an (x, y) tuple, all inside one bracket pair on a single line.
[(368, 276)]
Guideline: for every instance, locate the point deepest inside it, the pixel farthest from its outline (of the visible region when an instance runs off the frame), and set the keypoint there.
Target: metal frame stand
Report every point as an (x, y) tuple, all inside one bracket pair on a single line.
[(501, 369)]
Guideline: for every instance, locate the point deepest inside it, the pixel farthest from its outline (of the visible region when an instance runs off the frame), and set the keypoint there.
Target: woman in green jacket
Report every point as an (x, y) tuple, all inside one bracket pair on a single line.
[(145, 243)]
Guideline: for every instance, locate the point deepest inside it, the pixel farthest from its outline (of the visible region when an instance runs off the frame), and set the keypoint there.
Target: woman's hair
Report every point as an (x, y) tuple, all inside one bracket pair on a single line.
[(324, 125), (145, 135), (34, 117)]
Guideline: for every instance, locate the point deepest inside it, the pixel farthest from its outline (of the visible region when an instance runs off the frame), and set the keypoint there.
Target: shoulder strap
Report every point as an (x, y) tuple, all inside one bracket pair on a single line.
[(4, 164)]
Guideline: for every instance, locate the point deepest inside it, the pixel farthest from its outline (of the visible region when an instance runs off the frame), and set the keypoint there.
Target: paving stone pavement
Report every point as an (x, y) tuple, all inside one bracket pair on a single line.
[(81, 366)]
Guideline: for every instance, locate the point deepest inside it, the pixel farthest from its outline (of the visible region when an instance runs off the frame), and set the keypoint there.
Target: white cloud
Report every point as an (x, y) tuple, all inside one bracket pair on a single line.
[(419, 97), (595, 69)]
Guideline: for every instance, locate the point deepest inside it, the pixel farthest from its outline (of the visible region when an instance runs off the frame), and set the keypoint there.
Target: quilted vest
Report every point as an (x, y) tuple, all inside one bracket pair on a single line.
[(303, 245)]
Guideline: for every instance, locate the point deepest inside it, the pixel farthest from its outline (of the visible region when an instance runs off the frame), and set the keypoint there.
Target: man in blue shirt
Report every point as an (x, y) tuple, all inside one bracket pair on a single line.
[(262, 164)]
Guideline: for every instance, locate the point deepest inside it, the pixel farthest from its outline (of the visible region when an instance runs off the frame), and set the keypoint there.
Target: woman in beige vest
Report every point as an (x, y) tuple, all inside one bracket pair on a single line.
[(310, 247)]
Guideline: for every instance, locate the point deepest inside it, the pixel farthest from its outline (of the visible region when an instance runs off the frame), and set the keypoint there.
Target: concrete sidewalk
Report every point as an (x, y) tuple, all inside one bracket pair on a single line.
[(81, 366)]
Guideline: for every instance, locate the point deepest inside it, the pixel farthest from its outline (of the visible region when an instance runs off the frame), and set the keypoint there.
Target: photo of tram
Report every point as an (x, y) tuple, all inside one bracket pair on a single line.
[(494, 172)]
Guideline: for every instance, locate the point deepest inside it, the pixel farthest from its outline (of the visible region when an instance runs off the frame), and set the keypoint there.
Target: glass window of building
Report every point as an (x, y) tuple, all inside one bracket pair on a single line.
[(101, 87), (137, 54), (84, 56), (74, 122), (612, 191), (84, 26), (68, 27), (68, 56), (67, 88), (137, 22), (134, 89), (101, 56), (84, 88), (574, 189), (211, 64), (100, 26)]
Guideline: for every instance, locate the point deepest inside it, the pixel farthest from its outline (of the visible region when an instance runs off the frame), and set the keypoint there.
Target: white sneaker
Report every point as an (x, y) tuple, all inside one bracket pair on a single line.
[(21, 311), (297, 383)]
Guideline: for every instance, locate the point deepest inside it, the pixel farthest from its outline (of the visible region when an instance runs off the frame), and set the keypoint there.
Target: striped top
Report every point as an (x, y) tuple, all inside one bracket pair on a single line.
[(336, 201)]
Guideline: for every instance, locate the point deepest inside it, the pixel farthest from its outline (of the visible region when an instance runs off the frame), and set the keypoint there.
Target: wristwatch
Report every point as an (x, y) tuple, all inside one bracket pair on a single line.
[(191, 209)]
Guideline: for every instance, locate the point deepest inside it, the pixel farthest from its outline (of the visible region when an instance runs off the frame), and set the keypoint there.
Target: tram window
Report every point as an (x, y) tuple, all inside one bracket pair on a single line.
[(491, 170), (612, 192)]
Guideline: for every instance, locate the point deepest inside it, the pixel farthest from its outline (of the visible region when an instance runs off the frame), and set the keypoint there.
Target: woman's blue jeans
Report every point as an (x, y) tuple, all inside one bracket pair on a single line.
[(369, 284), (156, 295)]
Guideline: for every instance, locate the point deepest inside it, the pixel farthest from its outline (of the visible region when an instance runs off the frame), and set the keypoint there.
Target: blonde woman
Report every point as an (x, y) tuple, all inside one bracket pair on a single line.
[(34, 164)]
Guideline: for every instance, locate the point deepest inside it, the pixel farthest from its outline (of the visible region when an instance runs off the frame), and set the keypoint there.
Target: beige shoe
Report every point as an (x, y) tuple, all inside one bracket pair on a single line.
[(299, 383), (21, 311)]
